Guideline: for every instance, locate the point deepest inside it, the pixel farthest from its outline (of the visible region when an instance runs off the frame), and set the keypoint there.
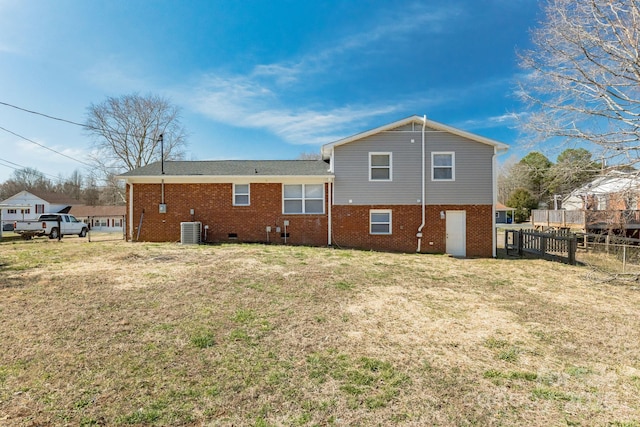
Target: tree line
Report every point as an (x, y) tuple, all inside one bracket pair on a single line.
[(535, 180), (83, 188)]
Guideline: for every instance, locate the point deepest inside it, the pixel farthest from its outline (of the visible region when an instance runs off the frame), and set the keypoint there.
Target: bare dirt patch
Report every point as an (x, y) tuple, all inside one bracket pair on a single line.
[(114, 333)]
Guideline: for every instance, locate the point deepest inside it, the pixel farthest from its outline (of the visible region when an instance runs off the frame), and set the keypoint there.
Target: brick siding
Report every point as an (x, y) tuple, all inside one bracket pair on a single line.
[(351, 229), (213, 206)]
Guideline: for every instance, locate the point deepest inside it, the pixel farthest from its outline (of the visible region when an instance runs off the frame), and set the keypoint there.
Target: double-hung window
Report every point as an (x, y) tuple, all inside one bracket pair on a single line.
[(380, 221), (39, 208), (240, 194), (443, 166), (303, 199), (380, 167)]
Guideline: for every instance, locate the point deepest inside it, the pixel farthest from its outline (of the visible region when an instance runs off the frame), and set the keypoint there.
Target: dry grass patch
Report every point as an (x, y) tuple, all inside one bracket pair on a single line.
[(114, 333)]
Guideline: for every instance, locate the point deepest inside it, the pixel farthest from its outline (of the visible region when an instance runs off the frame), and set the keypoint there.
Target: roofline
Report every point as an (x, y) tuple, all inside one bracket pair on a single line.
[(413, 119), (144, 179)]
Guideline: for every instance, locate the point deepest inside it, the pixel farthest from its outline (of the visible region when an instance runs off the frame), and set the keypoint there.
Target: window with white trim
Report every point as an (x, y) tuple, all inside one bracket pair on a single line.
[(39, 208), (240, 194), (380, 167), (303, 198), (380, 221), (12, 211), (443, 166)]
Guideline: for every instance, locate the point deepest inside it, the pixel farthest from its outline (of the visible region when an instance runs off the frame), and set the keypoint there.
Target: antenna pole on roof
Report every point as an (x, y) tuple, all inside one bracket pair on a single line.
[(161, 140)]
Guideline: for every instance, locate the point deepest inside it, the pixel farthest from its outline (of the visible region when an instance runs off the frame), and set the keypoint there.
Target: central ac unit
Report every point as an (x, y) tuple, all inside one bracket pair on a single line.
[(190, 233)]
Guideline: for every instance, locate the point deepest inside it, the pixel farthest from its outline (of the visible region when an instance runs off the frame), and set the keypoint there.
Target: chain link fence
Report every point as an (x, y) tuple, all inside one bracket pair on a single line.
[(609, 253)]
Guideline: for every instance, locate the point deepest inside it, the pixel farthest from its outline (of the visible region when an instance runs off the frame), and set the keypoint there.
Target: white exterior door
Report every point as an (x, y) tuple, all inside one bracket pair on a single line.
[(456, 233)]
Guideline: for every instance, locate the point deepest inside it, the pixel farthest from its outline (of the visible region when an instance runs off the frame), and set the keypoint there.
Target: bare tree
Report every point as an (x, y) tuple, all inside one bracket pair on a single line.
[(127, 131), (583, 83), (113, 193), (71, 186), (29, 179), (509, 179)]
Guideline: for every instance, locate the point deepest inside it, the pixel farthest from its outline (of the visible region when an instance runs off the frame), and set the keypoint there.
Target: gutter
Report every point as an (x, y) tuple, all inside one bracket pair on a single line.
[(419, 233), (130, 222), (494, 236)]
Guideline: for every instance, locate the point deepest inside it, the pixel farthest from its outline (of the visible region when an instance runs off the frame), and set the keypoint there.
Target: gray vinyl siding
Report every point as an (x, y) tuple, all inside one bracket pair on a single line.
[(473, 170)]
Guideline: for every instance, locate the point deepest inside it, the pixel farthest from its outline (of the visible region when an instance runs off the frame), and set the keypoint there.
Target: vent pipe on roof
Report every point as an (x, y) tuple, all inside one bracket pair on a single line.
[(161, 141)]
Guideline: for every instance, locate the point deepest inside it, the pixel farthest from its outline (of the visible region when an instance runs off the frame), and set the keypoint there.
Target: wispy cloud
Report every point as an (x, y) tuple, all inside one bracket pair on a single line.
[(243, 101), (510, 119), (256, 99), (396, 26)]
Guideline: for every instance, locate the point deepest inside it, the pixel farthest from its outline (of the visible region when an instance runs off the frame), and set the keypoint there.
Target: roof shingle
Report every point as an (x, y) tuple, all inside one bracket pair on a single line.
[(234, 168)]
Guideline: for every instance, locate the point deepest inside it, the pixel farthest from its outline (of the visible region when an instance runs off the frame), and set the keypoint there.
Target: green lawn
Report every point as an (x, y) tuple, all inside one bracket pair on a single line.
[(115, 333)]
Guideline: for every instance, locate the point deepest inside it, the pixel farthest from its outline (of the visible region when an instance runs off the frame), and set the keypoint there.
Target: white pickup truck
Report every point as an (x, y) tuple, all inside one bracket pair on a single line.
[(52, 225)]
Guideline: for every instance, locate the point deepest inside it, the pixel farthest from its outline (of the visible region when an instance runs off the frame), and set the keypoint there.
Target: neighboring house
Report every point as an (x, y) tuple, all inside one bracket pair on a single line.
[(502, 214), (101, 218), (38, 202), (614, 190), (412, 185), (609, 203)]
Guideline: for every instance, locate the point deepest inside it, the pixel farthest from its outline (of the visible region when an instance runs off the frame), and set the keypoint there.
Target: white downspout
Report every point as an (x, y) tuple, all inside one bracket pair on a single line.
[(419, 234), (493, 205), (329, 219), (131, 211)]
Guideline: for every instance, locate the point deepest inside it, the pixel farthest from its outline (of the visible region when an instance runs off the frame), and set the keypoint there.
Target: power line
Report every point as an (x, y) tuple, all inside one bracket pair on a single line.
[(16, 166), (45, 115), (45, 147), (82, 125), (8, 166), (21, 167)]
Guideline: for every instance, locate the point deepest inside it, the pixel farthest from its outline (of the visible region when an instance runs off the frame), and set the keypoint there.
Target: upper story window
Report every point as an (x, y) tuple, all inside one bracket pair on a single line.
[(443, 166), (380, 167), (240, 194), (39, 208), (380, 221), (303, 199)]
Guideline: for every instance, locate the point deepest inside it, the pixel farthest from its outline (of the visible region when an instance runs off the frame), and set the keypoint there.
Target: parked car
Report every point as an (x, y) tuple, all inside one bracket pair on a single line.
[(52, 225)]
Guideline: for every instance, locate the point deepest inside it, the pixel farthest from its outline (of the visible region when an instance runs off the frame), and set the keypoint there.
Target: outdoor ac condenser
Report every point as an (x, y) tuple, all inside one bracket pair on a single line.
[(190, 233)]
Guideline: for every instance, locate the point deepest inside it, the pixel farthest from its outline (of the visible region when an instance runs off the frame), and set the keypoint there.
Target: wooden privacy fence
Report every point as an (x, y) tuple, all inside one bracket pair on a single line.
[(555, 246)]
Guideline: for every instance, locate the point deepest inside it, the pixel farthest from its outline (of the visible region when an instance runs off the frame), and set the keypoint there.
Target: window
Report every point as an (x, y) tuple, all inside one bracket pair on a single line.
[(39, 209), (240, 194), (379, 221), (443, 167), (380, 167), (12, 211), (303, 199), (26, 211)]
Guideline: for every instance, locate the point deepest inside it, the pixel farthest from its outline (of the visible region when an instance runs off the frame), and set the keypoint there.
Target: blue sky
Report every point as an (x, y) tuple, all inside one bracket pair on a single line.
[(257, 79)]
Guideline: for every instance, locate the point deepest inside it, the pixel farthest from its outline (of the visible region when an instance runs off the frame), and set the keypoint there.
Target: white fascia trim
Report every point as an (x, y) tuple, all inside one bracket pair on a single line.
[(326, 149), (226, 179)]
